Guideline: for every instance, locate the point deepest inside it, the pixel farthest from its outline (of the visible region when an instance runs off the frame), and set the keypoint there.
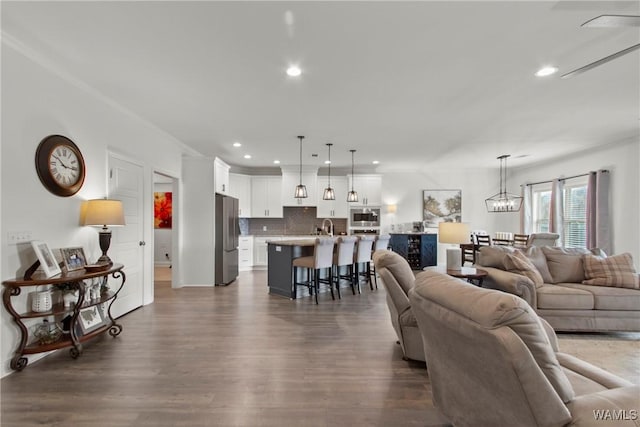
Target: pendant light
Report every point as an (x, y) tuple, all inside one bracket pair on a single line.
[(329, 194), (503, 201), (352, 196), (301, 190)]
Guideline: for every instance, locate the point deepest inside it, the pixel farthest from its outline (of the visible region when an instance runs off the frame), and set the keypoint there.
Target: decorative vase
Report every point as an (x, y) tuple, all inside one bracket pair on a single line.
[(70, 297)]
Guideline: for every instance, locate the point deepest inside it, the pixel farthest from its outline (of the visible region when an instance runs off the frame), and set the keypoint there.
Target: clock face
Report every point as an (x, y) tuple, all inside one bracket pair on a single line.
[(64, 166), (60, 165)]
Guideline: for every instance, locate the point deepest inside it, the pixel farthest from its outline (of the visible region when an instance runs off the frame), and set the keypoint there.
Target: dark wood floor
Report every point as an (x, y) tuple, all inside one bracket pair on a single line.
[(235, 356)]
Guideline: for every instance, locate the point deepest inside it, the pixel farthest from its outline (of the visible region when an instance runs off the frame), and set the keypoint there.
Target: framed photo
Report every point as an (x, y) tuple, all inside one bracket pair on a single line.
[(45, 256), (73, 258), (90, 319), (441, 205)]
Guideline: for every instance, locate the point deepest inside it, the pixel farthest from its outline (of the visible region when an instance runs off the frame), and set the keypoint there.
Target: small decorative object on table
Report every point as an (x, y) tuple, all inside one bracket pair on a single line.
[(46, 258), (47, 332), (73, 258), (41, 301)]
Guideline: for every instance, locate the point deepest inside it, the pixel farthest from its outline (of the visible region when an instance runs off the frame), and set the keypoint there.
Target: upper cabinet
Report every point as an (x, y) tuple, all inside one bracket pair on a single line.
[(266, 197), (221, 178), (369, 189), (240, 188), (337, 208), (290, 179)]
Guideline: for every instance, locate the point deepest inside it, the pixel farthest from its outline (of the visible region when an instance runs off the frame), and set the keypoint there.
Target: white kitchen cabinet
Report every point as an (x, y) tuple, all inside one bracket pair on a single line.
[(221, 176), (338, 208), (369, 189), (266, 197), (260, 250), (245, 253), (289, 182), (240, 188)]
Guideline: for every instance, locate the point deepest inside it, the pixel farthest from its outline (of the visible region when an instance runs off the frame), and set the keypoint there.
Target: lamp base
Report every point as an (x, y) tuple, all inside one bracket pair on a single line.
[(454, 259), (105, 241)]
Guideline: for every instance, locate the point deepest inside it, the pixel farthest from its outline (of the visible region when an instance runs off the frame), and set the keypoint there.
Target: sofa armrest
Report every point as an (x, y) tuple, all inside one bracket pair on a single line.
[(551, 334), (617, 407), (512, 283)]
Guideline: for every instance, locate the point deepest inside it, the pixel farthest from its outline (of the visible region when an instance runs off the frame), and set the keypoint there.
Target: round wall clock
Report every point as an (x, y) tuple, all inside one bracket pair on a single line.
[(60, 165)]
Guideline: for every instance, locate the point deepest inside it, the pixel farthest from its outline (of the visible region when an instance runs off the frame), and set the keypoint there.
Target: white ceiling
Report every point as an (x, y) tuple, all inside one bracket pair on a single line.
[(414, 85)]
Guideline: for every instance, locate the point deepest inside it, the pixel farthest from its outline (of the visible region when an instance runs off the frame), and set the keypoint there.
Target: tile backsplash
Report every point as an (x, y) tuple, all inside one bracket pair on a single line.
[(297, 221)]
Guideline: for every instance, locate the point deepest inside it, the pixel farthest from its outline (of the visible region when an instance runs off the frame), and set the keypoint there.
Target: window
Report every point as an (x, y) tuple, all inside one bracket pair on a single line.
[(575, 214), (541, 209)]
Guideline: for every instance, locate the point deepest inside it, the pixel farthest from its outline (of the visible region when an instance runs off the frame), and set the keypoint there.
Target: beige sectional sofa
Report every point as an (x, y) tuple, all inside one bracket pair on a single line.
[(561, 297), (493, 362)]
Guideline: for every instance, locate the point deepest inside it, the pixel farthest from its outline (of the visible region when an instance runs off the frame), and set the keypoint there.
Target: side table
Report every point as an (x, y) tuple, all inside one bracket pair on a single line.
[(468, 273)]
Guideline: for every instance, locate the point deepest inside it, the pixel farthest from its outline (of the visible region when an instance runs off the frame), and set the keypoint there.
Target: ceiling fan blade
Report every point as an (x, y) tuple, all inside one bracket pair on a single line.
[(613, 21), (600, 61)]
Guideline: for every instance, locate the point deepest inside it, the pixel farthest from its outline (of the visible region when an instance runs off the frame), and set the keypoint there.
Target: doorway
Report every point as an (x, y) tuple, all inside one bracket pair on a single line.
[(165, 241)]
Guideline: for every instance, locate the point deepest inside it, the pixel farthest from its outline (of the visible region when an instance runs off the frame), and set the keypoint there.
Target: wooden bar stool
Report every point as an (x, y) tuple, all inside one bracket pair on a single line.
[(344, 258), (363, 256), (322, 258)]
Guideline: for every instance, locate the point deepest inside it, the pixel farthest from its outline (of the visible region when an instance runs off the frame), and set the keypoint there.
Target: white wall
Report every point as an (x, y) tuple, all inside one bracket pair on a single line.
[(36, 102), (622, 162), (404, 189)]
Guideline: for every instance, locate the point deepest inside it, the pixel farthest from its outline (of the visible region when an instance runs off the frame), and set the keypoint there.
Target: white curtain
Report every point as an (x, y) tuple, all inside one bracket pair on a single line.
[(598, 224), (556, 217), (526, 214)]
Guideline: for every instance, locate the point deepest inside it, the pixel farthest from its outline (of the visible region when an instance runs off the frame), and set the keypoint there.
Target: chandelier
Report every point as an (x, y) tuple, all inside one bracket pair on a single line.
[(503, 201), (352, 196), (301, 190), (329, 194)]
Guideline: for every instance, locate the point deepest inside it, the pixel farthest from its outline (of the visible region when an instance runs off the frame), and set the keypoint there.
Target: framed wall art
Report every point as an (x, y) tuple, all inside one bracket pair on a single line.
[(162, 210), (47, 259), (441, 205), (90, 319)]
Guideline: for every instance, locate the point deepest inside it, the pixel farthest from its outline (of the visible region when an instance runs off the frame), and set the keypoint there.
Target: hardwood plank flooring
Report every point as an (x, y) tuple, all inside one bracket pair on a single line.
[(235, 356)]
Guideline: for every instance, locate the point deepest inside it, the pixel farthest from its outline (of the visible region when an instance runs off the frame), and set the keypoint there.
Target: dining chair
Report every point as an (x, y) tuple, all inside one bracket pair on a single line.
[(520, 240), (363, 256), (380, 243), (343, 257), (322, 259)]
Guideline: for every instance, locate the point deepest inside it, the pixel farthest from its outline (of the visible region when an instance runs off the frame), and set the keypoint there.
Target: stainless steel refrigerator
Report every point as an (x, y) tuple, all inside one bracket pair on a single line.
[(227, 231)]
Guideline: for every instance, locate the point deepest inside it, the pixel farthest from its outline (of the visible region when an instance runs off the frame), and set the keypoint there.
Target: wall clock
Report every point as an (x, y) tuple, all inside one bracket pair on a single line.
[(60, 165)]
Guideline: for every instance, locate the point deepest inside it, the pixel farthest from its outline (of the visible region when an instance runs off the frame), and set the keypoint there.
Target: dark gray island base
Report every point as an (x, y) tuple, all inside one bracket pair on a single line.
[(280, 265)]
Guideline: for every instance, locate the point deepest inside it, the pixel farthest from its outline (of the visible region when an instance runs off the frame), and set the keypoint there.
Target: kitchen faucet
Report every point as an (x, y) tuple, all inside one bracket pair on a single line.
[(329, 231)]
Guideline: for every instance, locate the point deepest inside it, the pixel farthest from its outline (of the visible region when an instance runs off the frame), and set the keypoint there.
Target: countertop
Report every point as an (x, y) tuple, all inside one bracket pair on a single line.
[(293, 242)]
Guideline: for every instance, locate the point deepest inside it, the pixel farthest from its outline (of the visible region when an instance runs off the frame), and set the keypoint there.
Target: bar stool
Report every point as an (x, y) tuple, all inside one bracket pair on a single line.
[(322, 258), (380, 243), (363, 256), (344, 258)]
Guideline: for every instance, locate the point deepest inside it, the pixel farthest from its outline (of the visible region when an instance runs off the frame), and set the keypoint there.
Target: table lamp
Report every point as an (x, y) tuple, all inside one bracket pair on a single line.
[(103, 213), (453, 233)]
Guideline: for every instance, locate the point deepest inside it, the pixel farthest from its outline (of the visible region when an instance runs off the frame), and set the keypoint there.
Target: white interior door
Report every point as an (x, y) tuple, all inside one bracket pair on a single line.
[(126, 181)]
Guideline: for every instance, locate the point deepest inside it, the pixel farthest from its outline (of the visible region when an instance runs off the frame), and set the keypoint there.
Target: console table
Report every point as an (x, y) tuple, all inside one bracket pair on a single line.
[(75, 336)]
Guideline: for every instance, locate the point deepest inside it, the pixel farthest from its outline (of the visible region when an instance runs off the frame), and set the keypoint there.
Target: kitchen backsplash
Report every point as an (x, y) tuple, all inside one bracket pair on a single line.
[(296, 222)]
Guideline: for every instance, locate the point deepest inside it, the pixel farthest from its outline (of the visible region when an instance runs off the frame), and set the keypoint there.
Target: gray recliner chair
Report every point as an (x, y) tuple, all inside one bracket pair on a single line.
[(494, 362), (398, 278), (543, 239)]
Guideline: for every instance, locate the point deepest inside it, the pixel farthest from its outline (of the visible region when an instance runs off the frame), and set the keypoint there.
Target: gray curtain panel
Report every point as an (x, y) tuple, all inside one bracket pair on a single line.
[(556, 219), (598, 223)]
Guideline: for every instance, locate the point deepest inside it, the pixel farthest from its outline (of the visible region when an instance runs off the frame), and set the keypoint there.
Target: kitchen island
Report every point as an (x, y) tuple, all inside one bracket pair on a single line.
[(280, 255)]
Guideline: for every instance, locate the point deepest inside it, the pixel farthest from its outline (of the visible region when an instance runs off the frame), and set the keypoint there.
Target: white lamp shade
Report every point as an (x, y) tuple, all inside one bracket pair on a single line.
[(453, 232), (102, 212)]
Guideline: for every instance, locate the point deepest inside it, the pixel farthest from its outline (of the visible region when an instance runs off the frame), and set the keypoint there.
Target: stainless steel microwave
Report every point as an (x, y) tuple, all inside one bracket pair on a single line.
[(364, 217)]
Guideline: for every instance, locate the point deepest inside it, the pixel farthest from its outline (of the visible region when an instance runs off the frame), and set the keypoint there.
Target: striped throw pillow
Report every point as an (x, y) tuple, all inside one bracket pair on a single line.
[(616, 271)]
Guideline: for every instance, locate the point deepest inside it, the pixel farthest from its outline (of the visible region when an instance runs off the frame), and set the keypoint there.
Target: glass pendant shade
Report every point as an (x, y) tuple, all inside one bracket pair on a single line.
[(503, 201), (329, 194), (301, 190), (352, 196)]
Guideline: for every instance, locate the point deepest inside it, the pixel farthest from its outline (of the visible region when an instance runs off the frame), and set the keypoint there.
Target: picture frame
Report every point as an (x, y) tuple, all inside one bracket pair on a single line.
[(73, 258), (90, 319), (47, 260), (441, 206)]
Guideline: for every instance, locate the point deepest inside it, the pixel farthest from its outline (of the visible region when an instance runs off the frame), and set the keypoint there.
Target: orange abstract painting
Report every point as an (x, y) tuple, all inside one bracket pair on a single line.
[(162, 210)]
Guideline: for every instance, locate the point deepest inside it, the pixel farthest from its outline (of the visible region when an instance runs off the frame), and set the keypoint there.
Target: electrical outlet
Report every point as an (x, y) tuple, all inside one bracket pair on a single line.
[(17, 237), (264, 228)]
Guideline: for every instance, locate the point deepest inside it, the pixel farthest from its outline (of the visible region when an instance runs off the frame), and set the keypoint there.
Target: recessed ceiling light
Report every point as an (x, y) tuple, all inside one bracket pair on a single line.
[(294, 71), (327, 162), (247, 156), (546, 71), (237, 144), (277, 162), (375, 162)]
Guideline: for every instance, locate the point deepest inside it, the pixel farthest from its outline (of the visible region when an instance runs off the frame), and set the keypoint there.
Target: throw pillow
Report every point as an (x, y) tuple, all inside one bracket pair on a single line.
[(517, 262), (616, 271), (565, 264)]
